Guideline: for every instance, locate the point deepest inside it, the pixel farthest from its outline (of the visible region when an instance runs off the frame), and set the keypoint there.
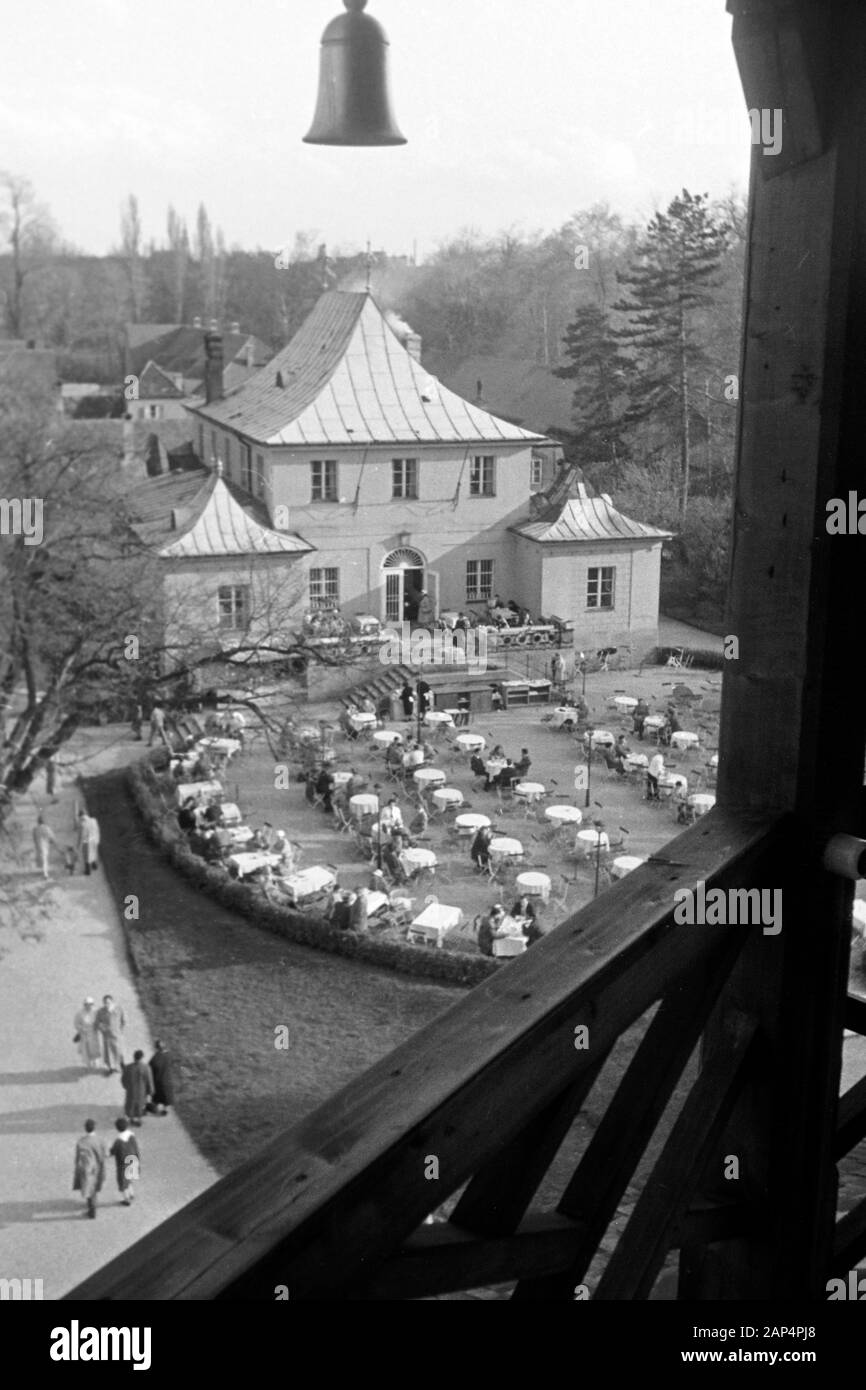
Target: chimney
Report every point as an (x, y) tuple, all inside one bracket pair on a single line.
[(251, 354), (479, 391), (196, 323), (213, 367), (235, 328)]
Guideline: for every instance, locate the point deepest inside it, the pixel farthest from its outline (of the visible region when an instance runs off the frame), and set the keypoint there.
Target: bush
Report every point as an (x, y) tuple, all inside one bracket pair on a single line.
[(152, 797)]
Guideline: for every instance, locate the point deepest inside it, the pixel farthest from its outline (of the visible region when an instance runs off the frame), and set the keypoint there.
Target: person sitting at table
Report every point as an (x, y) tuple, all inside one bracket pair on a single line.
[(186, 815), (524, 763), (367, 705), (670, 727), (286, 850), (419, 822), (394, 757), (477, 766), (498, 753), (505, 779), (346, 724), (655, 770), (340, 915), (612, 762), (639, 716), (391, 817), (214, 812), (212, 850), (357, 783), (488, 924), (479, 851), (524, 909), (621, 748), (682, 804), (324, 787), (391, 860)]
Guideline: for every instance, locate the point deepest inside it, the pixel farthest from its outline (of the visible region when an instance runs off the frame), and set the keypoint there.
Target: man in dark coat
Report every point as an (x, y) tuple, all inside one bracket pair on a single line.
[(127, 1158), (137, 1080), (162, 1071), (89, 1173)]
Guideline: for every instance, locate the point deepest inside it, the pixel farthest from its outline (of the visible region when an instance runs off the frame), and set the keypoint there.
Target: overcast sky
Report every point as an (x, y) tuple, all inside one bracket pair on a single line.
[(517, 112)]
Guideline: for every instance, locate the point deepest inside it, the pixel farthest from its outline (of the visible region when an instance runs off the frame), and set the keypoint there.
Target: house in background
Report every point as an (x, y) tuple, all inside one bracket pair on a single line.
[(398, 485), (160, 395), (173, 355)]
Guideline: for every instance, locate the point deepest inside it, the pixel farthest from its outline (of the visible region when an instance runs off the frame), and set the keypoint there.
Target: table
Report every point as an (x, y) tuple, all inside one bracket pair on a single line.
[(376, 902), (701, 802), (563, 815), (387, 737), (414, 758), (434, 923), (361, 720), (435, 717), (714, 760), (512, 941), (225, 746), (248, 861), (240, 834), (562, 713), (342, 779), (674, 781), (534, 885), (530, 791), (683, 739), (206, 790), (415, 860), (231, 814), (308, 882), (494, 766), (654, 721), (364, 804), (504, 847), (592, 837), (428, 777), (470, 743), (635, 762), (447, 796), (625, 703), (469, 822), (601, 738), (625, 864)]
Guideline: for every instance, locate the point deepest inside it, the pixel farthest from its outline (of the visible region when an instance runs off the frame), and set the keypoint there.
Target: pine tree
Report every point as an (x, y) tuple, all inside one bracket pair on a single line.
[(598, 367), (669, 281)]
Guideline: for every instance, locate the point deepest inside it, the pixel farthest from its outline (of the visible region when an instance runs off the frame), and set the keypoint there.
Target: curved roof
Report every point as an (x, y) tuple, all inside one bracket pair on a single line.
[(586, 517), (196, 515), (346, 378)]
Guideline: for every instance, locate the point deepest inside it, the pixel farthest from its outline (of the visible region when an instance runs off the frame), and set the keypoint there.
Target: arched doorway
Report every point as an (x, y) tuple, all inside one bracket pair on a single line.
[(404, 581)]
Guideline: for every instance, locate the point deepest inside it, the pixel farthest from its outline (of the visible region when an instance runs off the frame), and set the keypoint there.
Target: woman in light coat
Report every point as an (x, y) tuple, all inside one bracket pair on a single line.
[(88, 1036)]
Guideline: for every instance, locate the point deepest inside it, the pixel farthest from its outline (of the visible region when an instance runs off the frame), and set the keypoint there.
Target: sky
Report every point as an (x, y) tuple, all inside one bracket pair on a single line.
[(518, 113)]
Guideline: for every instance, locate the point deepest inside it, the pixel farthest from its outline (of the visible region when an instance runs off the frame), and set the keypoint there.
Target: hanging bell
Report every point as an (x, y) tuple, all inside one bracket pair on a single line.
[(354, 105)]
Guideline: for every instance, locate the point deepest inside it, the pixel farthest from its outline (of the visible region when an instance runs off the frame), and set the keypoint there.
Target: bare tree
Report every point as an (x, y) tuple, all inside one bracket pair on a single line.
[(131, 250), (178, 245), (29, 232)]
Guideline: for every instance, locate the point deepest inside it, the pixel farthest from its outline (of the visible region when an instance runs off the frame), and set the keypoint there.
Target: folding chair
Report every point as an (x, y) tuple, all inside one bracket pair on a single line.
[(342, 822)]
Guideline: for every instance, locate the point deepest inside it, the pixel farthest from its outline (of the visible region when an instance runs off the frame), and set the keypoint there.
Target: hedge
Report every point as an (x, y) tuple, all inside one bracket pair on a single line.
[(149, 795)]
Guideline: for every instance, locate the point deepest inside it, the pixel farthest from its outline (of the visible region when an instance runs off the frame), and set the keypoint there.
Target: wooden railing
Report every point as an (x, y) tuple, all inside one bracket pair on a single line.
[(334, 1207)]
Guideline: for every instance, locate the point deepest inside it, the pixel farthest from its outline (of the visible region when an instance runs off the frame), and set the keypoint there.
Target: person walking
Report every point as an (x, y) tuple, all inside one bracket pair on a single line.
[(137, 720), (127, 1159), (88, 840), (407, 700), (639, 716), (655, 770), (557, 669), (157, 723), (137, 1081), (87, 1035), (111, 1022), (43, 839), (89, 1170), (162, 1070)]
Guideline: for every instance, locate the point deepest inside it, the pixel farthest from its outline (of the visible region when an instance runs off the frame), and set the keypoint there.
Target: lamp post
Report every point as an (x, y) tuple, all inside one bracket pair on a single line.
[(377, 789), (418, 711), (599, 827), (583, 673), (589, 733)]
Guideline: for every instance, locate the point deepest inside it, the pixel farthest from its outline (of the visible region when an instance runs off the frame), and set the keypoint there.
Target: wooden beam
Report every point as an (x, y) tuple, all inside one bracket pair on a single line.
[(851, 1126), (850, 1242), (780, 47), (328, 1202), (855, 1014)]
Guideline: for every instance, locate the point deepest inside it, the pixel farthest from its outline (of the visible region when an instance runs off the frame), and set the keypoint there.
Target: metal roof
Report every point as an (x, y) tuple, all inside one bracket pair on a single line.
[(589, 518), (197, 515), (346, 378)]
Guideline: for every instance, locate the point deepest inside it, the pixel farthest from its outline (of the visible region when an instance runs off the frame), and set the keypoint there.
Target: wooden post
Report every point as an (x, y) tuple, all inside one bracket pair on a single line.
[(792, 728)]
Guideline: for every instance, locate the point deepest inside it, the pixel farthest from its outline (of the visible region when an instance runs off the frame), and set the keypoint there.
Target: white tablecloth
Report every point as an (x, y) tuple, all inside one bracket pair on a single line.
[(625, 703), (654, 721), (204, 789), (231, 814), (308, 882), (624, 864), (447, 796), (470, 821), (342, 779), (601, 738), (361, 720), (683, 739), (636, 762), (440, 716), (534, 885), (247, 861), (386, 736), (674, 781), (226, 746), (495, 765), (414, 859), (530, 791), (471, 743), (512, 942), (591, 837), (504, 847), (364, 803), (435, 922), (429, 777), (241, 834), (414, 758), (562, 714), (701, 802), (564, 815)]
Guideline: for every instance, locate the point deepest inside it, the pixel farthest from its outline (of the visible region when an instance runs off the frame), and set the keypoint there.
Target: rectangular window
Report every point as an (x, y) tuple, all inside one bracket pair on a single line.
[(600, 586), (535, 470), (404, 478), (259, 478), (481, 476), (479, 580), (246, 468), (234, 606), (324, 480), (154, 412), (324, 588)]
